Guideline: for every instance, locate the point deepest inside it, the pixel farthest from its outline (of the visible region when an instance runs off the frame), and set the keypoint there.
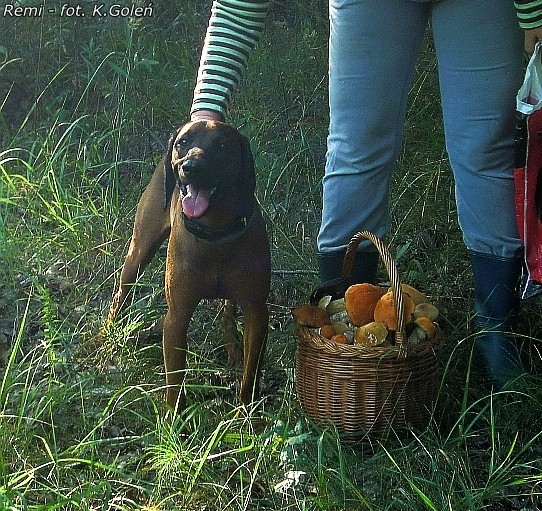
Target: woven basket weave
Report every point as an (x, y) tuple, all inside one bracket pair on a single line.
[(367, 389)]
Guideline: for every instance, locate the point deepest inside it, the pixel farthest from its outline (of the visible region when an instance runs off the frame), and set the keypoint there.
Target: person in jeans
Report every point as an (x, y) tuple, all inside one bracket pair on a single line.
[(373, 47)]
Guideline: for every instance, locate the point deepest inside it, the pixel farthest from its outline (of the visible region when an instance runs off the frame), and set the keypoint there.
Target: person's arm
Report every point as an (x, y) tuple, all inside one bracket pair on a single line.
[(235, 26), (529, 13), (530, 19)]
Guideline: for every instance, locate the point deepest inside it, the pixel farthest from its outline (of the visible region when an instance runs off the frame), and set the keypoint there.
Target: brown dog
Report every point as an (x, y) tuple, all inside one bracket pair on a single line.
[(202, 195)]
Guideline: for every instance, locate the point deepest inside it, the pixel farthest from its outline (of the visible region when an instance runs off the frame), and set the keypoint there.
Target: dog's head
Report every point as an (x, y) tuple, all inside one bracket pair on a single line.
[(210, 160)]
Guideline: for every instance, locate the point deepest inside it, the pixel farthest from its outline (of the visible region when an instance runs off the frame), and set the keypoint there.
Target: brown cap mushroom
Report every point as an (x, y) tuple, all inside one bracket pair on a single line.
[(385, 310), (426, 310), (417, 296), (311, 316), (360, 302)]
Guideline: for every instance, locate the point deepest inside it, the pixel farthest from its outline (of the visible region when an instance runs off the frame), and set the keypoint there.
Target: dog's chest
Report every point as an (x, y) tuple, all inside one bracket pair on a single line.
[(200, 265)]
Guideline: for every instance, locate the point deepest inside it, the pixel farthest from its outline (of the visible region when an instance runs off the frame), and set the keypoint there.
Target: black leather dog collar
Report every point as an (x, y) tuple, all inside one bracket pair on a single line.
[(223, 235)]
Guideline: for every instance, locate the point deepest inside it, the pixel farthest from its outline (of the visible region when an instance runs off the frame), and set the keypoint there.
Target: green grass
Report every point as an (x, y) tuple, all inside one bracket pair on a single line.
[(81, 425)]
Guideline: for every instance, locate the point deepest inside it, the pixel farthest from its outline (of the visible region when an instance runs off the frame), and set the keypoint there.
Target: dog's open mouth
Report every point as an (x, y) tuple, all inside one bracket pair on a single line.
[(196, 200)]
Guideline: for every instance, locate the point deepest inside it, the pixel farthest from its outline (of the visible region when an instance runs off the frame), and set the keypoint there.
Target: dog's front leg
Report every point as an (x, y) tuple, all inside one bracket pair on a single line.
[(151, 228), (174, 346), (256, 317)]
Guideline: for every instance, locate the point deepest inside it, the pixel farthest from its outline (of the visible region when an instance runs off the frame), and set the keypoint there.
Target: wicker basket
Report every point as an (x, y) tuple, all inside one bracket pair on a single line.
[(367, 389)]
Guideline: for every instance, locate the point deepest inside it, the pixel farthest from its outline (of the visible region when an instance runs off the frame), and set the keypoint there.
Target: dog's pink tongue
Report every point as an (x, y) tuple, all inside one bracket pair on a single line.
[(195, 202)]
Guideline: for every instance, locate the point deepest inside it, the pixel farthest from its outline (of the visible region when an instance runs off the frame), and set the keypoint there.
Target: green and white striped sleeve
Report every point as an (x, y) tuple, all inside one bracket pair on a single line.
[(235, 26), (529, 13)]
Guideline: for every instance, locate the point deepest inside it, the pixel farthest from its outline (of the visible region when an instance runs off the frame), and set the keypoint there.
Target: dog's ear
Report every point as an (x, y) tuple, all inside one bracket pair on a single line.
[(249, 173), (169, 174)]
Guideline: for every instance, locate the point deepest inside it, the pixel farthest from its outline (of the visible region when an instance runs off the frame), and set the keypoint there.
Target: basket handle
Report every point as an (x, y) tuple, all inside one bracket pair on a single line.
[(393, 274)]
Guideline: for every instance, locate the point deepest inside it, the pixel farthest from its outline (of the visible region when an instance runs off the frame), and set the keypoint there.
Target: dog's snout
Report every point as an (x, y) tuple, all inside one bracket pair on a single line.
[(192, 166)]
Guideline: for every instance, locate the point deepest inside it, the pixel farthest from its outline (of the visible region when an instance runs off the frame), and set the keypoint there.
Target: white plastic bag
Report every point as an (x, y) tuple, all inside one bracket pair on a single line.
[(529, 98)]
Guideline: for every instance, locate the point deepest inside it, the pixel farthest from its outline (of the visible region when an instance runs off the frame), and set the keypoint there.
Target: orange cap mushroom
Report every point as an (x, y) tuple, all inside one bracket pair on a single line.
[(385, 310), (327, 331), (340, 339), (360, 301), (427, 326)]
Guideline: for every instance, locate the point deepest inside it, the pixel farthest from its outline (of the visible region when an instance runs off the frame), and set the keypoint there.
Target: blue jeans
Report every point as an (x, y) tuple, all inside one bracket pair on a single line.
[(374, 45)]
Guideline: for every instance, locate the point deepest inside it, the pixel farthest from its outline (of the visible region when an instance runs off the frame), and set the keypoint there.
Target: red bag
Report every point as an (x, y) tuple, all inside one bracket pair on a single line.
[(528, 174), (528, 181)]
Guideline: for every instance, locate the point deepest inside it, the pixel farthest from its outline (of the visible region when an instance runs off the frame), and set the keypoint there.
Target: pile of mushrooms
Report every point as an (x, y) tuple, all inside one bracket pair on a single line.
[(366, 316)]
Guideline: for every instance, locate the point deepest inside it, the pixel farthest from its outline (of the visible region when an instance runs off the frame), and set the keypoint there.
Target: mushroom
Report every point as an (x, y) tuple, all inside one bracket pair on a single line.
[(385, 310), (337, 310), (424, 330), (311, 316), (327, 331), (371, 334), (427, 326), (417, 296), (340, 339), (336, 306), (340, 327), (417, 335), (426, 310), (324, 301), (360, 301)]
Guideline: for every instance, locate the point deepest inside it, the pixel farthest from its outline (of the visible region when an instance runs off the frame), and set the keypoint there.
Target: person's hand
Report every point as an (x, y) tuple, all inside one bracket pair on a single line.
[(207, 115), (532, 36)]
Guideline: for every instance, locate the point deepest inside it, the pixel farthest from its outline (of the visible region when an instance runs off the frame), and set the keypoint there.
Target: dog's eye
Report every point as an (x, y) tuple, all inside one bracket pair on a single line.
[(182, 143)]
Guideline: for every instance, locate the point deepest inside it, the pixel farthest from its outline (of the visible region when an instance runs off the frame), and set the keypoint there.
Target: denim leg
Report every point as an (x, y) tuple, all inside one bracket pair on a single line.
[(479, 49), (372, 56)]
